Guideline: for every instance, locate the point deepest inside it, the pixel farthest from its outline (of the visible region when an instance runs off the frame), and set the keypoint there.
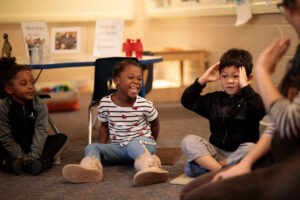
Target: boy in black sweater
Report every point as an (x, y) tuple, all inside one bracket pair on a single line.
[(233, 114)]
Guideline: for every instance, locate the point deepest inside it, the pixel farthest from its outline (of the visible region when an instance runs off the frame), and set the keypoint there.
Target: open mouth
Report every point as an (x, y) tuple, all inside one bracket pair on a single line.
[(134, 89)]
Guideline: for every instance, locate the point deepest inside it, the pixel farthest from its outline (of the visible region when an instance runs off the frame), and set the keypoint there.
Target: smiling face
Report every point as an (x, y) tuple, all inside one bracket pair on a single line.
[(21, 87), (129, 82), (229, 77)]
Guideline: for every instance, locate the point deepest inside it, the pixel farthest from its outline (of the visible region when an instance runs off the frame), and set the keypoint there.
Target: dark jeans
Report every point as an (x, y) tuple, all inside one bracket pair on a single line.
[(53, 145)]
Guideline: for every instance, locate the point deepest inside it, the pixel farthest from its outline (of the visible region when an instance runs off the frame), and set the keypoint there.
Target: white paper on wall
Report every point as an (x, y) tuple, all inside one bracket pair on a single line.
[(243, 12), (108, 38)]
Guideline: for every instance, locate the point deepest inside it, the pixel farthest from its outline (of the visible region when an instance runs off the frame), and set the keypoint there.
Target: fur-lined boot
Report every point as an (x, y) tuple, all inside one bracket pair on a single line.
[(89, 170), (149, 170)]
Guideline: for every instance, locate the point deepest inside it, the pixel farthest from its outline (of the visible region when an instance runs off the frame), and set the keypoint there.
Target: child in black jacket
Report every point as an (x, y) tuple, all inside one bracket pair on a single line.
[(234, 114), (24, 140)]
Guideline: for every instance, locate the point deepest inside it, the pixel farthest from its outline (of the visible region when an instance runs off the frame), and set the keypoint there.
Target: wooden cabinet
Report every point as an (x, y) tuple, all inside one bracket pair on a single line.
[(199, 55)]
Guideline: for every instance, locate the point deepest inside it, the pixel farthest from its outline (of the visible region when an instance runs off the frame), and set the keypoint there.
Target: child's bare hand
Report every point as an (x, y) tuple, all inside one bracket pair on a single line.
[(210, 74), (271, 55), (243, 79)]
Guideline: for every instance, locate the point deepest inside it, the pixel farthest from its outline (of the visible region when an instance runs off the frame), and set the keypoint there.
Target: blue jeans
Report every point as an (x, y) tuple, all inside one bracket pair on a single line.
[(116, 154)]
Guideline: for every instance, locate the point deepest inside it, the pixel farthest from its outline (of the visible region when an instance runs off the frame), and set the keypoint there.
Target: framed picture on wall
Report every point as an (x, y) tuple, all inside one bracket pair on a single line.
[(65, 40)]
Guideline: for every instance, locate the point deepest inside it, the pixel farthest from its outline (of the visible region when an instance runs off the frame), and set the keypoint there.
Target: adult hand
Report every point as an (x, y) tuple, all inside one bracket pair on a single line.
[(243, 79), (236, 170), (271, 55), (210, 74)]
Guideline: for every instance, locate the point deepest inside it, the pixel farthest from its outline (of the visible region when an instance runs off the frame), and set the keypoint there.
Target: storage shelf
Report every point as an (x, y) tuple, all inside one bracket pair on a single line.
[(257, 7)]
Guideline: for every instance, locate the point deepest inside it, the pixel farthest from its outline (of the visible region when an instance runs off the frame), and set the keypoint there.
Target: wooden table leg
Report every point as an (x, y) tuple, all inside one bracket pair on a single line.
[(181, 63)]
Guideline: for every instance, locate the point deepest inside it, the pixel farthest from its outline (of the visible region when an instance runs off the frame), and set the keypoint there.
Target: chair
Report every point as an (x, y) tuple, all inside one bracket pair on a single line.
[(149, 68), (102, 81)]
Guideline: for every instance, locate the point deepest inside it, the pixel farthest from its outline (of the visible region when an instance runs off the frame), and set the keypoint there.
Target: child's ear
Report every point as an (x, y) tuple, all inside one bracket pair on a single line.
[(116, 80), (8, 89), (250, 78)]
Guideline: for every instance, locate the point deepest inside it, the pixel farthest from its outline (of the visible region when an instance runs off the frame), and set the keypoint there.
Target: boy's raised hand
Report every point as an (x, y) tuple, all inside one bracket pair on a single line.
[(243, 79), (210, 74)]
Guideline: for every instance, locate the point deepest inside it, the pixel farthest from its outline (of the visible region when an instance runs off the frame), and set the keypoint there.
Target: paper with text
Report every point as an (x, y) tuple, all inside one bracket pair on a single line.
[(108, 38)]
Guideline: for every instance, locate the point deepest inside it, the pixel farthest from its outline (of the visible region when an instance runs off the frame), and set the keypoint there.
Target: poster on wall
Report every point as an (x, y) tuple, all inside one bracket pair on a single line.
[(36, 33), (108, 38), (65, 40)]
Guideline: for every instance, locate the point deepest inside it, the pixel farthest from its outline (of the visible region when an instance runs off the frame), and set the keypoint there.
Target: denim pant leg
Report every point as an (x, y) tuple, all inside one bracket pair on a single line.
[(107, 153), (135, 148)]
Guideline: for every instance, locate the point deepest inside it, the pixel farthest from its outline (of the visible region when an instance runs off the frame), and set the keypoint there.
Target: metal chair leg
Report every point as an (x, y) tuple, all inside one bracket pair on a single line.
[(94, 122), (90, 115), (52, 125)]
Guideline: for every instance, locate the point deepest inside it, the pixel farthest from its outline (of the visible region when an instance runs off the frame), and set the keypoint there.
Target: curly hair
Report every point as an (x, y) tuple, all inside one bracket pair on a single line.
[(8, 70), (120, 66)]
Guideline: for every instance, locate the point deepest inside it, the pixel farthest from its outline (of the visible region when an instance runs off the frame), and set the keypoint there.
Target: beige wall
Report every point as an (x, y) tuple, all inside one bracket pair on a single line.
[(214, 34)]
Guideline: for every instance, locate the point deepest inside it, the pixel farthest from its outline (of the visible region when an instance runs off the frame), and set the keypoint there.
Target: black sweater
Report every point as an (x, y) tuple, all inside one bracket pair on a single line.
[(233, 119)]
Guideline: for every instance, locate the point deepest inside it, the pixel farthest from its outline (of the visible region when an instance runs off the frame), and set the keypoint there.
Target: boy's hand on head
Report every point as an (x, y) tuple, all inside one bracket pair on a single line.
[(243, 79), (210, 74)]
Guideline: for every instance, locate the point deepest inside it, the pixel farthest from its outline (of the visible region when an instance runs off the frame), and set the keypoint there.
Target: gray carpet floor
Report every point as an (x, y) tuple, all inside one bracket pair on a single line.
[(175, 123)]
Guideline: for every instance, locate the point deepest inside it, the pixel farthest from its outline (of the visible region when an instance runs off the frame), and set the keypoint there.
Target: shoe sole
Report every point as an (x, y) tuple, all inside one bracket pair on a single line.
[(17, 167), (77, 174), (35, 168), (150, 176)]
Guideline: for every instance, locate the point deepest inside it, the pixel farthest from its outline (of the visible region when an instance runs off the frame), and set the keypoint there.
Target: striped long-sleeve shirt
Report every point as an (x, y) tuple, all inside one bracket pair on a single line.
[(126, 123), (285, 118)]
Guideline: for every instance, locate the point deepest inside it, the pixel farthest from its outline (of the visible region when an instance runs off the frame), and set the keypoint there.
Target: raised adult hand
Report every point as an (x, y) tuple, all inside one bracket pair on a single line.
[(269, 58)]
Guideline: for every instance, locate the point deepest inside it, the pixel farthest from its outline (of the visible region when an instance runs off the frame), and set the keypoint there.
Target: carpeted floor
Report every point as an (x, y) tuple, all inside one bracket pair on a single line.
[(175, 123)]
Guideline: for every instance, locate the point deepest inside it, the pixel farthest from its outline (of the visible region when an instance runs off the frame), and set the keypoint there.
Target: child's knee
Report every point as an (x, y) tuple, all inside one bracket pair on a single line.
[(187, 141), (91, 147)]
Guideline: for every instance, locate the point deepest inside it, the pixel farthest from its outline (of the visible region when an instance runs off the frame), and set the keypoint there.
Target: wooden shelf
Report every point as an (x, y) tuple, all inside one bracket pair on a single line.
[(198, 55), (198, 9)]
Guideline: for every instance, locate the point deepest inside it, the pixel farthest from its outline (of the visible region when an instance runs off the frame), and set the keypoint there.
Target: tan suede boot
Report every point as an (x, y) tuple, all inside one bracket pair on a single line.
[(89, 170), (150, 171)]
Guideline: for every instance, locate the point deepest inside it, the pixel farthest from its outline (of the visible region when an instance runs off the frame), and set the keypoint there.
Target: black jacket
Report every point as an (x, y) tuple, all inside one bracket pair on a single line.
[(233, 119), (23, 130)]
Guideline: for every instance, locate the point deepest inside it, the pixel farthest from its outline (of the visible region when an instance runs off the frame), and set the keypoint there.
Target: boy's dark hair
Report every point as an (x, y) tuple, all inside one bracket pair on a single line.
[(8, 70), (120, 66), (238, 58)]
